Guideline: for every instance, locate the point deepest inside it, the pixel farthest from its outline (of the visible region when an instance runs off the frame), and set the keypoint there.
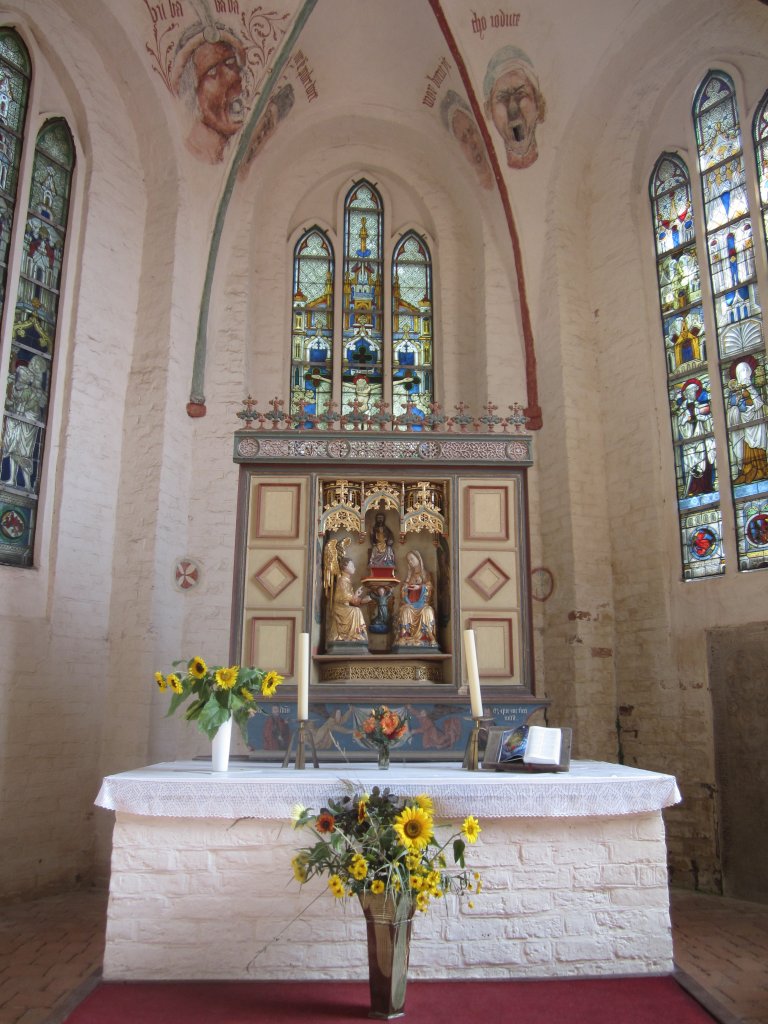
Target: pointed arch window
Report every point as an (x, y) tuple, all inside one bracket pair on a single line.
[(312, 332), (412, 373), (688, 381), (738, 314), (379, 361), (36, 312)]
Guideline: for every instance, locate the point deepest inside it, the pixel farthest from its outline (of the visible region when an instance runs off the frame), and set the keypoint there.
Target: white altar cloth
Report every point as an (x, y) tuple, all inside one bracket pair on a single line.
[(190, 789)]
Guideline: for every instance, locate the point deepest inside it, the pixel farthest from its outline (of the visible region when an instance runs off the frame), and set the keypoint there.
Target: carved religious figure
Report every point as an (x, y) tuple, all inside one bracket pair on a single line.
[(345, 621), (416, 616), (382, 550)]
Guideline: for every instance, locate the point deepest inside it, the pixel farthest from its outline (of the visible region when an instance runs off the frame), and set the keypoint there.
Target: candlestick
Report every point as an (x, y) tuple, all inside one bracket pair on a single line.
[(473, 676), (302, 698)]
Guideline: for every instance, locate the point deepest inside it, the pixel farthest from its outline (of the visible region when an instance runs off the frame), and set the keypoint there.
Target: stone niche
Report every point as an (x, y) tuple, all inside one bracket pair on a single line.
[(384, 550)]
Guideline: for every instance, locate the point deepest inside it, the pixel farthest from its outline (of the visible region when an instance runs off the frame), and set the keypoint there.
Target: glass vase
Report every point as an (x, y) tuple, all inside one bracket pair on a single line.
[(383, 758)]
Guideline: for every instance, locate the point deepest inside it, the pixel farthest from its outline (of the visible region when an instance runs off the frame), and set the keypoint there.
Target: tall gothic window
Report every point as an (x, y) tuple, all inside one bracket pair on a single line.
[(28, 358), (724, 390), (383, 362), (738, 316), (688, 382)]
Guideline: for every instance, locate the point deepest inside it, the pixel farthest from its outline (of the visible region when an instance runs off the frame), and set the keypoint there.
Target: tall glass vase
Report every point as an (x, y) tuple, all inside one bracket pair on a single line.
[(220, 745), (388, 923), (383, 755)]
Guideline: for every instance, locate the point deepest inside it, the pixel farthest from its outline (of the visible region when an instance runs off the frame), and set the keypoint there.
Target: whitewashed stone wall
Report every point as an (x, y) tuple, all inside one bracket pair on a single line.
[(216, 899)]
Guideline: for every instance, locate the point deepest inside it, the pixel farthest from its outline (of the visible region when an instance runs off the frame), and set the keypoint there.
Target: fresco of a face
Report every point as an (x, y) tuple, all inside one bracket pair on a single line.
[(514, 103), (465, 130), (219, 87)]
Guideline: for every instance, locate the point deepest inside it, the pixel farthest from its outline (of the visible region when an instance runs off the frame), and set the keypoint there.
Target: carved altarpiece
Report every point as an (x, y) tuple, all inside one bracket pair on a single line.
[(384, 549)]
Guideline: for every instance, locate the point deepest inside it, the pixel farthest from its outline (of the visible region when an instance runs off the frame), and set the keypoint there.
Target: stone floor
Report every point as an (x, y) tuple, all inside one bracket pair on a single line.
[(51, 951)]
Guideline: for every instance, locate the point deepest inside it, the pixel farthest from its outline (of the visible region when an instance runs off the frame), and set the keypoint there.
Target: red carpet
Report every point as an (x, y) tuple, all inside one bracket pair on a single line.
[(587, 1001)]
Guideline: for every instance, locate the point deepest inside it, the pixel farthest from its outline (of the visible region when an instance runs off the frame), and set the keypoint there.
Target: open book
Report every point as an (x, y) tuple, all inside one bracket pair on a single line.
[(528, 748)]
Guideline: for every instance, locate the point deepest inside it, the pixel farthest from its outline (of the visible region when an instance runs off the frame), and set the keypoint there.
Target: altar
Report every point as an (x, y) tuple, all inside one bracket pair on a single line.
[(573, 868)]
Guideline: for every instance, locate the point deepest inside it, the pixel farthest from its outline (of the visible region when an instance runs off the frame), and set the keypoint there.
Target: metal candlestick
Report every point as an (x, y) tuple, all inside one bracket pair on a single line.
[(471, 754), (304, 739)]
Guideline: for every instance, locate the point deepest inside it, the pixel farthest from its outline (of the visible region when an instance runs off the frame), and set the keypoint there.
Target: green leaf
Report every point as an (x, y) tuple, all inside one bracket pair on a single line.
[(211, 716), (459, 846)]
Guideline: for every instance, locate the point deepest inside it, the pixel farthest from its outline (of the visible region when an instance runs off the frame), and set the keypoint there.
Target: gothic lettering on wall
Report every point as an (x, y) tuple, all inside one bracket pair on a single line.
[(514, 103), (499, 19)]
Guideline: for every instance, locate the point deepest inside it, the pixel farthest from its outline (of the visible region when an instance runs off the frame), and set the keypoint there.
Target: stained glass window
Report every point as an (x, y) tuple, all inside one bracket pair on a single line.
[(688, 382), (412, 373), (380, 366), (312, 331), (362, 367), (33, 341), (738, 315), (14, 89)]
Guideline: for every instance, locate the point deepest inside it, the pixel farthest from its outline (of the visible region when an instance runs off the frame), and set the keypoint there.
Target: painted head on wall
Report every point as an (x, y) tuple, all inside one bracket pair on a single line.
[(513, 101), (208, 75), (457, 118)]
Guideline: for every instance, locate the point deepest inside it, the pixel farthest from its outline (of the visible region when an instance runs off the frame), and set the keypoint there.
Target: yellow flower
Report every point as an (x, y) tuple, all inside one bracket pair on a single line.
[(246, 694), (161, 680), (471, 829), (198, 668), (297, 812), (377, 887), (175, 683), (336, 886), (359, 867), (361, 809), (299, 865), (414, 827), (422, 901), (470, 904), (270, 683), (425, 803), (416, 882), (227, 677)]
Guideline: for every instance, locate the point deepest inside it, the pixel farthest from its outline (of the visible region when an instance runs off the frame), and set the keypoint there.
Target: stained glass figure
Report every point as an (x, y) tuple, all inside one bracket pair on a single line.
[(15, 72), (740, 342), (412, 338), (362, 368), (312, 332), (688, 383), (33, 338)]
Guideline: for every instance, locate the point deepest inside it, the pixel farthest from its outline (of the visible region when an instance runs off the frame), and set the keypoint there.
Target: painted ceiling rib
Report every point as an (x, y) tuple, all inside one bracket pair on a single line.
[(532, 410), (196, 404)]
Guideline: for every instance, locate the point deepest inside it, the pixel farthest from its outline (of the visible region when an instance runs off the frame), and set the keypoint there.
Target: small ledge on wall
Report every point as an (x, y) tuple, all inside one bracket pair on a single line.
[(196, 409)]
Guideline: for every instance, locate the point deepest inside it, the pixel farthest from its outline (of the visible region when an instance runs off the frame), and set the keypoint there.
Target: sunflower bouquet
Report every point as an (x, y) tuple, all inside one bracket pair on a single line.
[(218, 693), (380, 843)]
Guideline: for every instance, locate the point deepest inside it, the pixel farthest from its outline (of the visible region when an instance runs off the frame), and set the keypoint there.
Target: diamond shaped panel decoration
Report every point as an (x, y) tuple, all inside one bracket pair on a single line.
[(274, 576), (488, 579)]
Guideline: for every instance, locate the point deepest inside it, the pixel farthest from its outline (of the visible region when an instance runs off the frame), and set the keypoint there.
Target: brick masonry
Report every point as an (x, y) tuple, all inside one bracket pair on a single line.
[(212, 898)]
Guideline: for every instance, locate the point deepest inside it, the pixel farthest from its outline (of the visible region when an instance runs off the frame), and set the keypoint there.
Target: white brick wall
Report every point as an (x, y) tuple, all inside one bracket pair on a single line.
[(213, 898)]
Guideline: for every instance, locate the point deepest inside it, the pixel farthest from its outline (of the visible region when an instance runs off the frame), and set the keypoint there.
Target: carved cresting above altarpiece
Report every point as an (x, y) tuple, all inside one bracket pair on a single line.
[(384, 545)]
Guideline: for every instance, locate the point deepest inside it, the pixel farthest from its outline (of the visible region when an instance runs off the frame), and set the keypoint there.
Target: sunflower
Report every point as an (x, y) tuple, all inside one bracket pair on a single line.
[(325, 822), (161, 681), (299, 865), (377, 887), (198, 668), (270, 683), (361, 809), (471, 828), (336, 886), (227, 677), (175, 683), (425, 803), (414, 827), (246, 694)]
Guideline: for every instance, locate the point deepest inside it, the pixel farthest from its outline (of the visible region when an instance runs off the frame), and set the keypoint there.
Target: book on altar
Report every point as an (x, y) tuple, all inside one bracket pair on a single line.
[(528, 748)]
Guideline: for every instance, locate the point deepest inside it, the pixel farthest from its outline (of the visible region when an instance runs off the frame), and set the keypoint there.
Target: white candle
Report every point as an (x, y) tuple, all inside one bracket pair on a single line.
[(302, 656), (473, 676)]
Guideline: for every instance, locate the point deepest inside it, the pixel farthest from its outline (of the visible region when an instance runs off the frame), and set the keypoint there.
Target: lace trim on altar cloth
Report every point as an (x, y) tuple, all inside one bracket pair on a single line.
[(189, 789)]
